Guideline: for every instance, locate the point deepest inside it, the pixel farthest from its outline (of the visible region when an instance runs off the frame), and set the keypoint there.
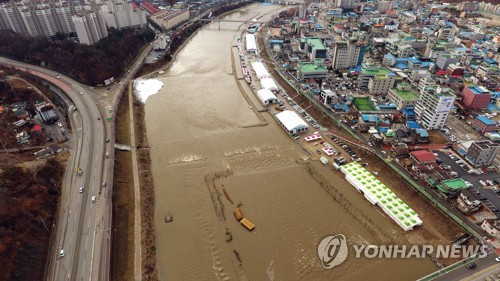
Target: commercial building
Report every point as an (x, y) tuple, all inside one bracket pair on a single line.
[(380, 85), (403, 96), (476, 97), (433, 108), (484, 124), (347, 53), (169, 19), (482, 153), (315, 70), (291, 122), (313, 47), (378, 73)]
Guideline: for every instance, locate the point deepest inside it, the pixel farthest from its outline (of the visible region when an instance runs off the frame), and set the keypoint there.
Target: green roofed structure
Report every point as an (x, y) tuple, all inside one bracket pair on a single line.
[(403, 96), (379, 194), (313, 70), (364, 104), (452, 187)]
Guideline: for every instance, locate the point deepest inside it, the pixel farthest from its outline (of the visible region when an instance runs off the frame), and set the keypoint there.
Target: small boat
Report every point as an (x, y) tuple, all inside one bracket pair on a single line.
[(247, 224), (238, 214), (169, 219)]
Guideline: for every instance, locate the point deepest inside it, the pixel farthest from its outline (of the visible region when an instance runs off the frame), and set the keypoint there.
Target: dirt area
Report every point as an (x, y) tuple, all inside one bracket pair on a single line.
[(437, 227), (29, 196), (437, 137), (122, 252)]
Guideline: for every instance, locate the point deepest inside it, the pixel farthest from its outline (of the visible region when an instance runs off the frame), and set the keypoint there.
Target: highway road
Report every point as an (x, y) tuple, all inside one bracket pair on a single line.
[(83, 227), (78, 230)]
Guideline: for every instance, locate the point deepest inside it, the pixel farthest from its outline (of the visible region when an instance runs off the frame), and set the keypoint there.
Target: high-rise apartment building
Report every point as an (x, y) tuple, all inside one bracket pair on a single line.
[(433, 107), (121, 14), (48, 17), (88, 27)]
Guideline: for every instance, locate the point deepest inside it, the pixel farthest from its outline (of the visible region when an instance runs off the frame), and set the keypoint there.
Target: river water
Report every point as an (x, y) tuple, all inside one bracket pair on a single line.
[(202, 131)]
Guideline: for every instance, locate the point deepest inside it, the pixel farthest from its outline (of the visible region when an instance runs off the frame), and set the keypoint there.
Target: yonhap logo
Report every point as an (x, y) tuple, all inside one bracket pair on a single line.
[(332, 251)]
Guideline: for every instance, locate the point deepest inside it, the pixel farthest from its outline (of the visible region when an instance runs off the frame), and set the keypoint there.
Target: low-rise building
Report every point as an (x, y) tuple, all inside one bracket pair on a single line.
[(484, 124), (452, 187), (169, 19), (403, 96), (482, 153), (476, 97), (371, 71), (315, 70), (492, 227)]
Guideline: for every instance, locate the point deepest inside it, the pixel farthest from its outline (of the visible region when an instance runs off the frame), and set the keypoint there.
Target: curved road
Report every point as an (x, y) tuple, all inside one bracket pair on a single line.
[(81, 226)]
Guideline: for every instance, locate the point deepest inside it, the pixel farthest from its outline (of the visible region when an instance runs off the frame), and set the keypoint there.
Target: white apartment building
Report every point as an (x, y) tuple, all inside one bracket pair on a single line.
[(89, 28), (121, 14), (433, 108), (48, 17), (347, 53)]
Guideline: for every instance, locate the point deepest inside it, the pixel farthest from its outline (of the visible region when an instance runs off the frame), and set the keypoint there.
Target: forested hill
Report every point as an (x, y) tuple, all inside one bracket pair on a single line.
[(90, 65)]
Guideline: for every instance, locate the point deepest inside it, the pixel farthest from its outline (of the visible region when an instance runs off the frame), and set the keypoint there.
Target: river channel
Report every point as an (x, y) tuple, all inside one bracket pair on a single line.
[(202, 132)]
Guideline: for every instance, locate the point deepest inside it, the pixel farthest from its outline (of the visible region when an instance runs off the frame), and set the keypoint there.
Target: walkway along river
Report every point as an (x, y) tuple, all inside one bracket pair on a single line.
[(203, 134)]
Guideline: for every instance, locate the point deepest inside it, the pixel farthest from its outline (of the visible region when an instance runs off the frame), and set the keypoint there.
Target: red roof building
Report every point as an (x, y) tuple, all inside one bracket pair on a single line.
[(423, 156), (37, 128)]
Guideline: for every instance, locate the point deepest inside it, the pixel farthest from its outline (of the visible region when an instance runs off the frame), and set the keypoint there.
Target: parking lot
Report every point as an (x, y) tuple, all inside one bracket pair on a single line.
[(487, 193)]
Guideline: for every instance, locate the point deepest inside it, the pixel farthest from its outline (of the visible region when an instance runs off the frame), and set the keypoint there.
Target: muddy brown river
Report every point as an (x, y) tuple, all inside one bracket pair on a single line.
[(203, 135)]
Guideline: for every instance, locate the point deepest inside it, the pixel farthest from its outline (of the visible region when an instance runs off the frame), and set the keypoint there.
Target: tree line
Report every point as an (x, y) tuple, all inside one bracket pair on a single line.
[(90, 65)]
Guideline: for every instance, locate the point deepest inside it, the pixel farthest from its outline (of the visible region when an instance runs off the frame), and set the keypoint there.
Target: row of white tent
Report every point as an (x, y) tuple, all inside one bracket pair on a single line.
[(266, 82)]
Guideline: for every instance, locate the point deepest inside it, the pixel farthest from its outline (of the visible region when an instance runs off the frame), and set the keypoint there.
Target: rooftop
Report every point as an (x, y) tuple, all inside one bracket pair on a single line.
[(486, 121), (405, 94), (455, 184), (311, 67), (376, 71), (316, 43), (423, 156), (479, 90)]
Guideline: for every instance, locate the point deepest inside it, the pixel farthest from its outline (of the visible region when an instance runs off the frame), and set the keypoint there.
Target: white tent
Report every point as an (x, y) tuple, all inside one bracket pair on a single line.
[(266, 96), (291, 122), (260, 70), (250, 43), (268, 83)]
